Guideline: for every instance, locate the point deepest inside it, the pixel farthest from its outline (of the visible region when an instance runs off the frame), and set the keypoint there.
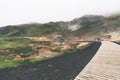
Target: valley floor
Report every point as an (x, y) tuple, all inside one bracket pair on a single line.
[(64, 67)]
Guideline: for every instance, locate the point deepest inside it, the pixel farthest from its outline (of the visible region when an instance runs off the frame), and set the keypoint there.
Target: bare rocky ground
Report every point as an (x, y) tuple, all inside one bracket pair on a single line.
[(105, 65), (65, 67)]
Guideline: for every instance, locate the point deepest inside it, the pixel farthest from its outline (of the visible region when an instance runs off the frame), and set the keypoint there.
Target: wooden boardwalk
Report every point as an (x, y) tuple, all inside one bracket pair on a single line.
[(105, 65)]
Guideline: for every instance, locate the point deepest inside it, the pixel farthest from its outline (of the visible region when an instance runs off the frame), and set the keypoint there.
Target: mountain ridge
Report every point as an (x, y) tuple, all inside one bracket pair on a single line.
[(85, 27)]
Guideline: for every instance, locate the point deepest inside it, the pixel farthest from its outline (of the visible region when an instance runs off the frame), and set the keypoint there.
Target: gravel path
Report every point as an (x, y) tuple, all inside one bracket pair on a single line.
[(105, 65), (65, 67)]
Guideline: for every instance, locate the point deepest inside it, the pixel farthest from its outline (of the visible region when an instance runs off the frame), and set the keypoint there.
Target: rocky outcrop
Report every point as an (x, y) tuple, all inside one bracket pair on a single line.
[(17, 57), (65, 47), (82, 44), (46, 52)]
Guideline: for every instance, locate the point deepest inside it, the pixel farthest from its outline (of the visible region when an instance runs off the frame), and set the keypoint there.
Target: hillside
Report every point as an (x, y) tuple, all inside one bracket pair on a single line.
[(86, 27), (91, 26), (32, 29)]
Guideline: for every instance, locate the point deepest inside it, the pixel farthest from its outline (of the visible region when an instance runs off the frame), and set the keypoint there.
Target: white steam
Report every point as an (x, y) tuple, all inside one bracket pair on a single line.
[(74, 27)]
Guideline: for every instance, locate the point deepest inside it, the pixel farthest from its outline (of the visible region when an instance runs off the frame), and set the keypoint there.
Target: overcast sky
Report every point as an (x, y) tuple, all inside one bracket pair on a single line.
[(23, 11)]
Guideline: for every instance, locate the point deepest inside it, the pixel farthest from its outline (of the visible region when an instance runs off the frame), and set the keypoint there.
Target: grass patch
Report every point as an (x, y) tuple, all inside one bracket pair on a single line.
[(15, 63), (23, 51), (58, 49), (7, 43)]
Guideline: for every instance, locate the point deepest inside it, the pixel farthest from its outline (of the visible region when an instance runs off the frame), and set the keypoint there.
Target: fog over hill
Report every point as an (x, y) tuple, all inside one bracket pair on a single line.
[(86, 27)]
